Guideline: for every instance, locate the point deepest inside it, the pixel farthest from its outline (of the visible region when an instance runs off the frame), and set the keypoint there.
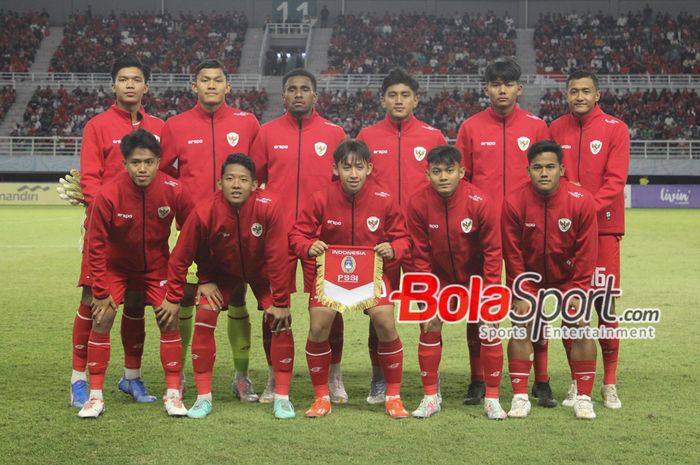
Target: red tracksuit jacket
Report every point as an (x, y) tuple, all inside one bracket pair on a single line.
[(227, 243), (129, 227), (456, 237), (200, 141), (367, 219), (597, 155), (399, 155), (555, 236), (494, 149), (100, 155), (295, 158)]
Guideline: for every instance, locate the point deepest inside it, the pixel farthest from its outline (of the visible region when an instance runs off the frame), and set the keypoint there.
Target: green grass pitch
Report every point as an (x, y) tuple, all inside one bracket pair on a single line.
[(658, 379)]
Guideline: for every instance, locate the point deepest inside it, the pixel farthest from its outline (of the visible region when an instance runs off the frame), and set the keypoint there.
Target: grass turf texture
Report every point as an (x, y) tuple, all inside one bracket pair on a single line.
[(657, 379)]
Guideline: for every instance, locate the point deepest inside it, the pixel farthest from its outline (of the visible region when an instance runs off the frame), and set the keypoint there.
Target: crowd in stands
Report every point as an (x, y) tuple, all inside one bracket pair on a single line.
[(650, 114), (7, 98), (633, 43), (20, 37), (168, 43), (458, 44), (63, 112), (445, 110)]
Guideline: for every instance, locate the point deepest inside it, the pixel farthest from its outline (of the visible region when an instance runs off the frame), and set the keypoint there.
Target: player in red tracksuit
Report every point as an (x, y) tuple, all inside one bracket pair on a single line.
[(597, 156), (399, 145), (100, 162), (129, 227), (549, 228), (195, 145), (237, 235), (351, 212), (455, 229), (293, 154), (494, 146)]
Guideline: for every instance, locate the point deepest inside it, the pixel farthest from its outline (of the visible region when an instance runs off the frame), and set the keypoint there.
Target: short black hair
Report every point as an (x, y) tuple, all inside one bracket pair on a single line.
[(399, 76), (505, 70), (210, 64), (239, 159), (129, 61), (446, 154), (139, 139), (582, 74), (542, 146), (348, 146), (299, 72)]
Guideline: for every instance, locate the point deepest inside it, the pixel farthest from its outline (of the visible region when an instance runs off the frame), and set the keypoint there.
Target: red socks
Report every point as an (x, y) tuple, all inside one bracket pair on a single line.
[(492, 360), (519, 375), (203, 349), (584, 373), (429, 355), (318, 357), (541, 366), (282, 354), (82, 325), (391, 360), (171, 357), (610, 349), (336, 339), (98, 358), (133, 333), (474, 346)]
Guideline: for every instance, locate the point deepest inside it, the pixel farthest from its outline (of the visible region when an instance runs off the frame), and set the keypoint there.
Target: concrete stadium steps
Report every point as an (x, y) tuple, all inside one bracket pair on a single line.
[(275, 108), (317, 60), (250, 55)]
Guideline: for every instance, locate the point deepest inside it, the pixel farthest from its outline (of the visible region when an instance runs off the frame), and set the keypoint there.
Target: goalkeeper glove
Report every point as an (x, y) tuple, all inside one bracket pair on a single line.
[(70, 189)]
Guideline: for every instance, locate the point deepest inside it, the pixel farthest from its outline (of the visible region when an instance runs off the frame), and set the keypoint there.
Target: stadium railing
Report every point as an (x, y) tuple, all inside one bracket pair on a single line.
[(246, 81), (70, 146), (288, 29)]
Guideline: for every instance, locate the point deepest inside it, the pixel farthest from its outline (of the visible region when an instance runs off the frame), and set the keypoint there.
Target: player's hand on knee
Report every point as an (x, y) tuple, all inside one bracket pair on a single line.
[(520, 307), (101, 307), (281, 318), (70, 189), (167, 313), (384, 250), (211, 292), (317, 248)]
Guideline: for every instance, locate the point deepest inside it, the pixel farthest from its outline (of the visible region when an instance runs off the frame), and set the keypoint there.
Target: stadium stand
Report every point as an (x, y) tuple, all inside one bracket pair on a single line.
[(651, 114), (633, 43), (459, 44), (7, 98), (20, 37), (167, 43), (63, 112)]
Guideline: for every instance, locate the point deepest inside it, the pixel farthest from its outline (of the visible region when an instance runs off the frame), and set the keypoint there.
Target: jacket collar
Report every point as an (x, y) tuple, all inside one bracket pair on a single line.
[(126, 114), (305, 122), (406, 125), (509, 117), (590, 116)]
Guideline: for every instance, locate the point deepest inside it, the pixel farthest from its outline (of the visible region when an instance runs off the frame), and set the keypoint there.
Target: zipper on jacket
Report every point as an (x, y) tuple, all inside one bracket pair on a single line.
[(504, 156), (352, 222), (143, 229), (399, 163), (296, 208), (240, 243), (213, 152), (580, 141), (449, 243), (544, 254)]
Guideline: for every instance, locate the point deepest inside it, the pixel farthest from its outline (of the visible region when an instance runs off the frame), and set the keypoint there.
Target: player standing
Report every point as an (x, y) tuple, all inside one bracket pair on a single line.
[(455, 230), (197, 142), (399, 145), (293, 154), (100, 162), (549, 227), (597, 156), (237, 235), (494, 145), (129, 226), (352, 212)]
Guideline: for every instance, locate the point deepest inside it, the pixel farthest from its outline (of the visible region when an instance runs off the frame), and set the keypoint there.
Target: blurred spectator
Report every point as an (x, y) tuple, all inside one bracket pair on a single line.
[(650, 114), (167, 43), (7, 98), (60, 112), (459, 44), (633, 43), (20, 37)]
